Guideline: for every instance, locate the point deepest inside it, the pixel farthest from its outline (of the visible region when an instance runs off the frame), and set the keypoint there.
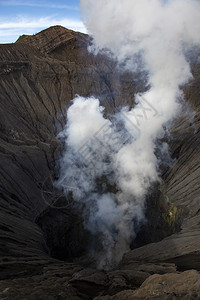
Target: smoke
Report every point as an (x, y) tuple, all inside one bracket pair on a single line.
[(109, 165)]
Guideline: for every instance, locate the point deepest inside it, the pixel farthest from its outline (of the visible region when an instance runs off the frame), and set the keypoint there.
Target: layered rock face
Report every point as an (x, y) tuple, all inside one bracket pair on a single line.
[(39, 77), (181, 187)]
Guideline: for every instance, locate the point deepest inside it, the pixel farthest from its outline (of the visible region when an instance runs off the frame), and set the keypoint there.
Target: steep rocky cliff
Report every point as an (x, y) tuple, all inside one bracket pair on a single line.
[(39, 76)]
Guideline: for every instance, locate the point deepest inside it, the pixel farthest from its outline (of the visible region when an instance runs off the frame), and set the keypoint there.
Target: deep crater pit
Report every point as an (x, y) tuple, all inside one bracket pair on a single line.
[(67, 239)]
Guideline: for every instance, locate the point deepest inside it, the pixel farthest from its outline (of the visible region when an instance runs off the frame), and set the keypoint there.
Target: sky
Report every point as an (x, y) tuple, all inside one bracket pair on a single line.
[(19, 17)]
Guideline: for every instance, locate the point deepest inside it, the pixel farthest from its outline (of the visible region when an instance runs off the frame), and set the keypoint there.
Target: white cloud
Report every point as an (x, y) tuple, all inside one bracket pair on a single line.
[(10, 31)]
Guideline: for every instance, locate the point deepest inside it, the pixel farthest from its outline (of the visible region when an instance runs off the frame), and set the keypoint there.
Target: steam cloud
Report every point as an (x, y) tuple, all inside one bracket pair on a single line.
[(122, 149)]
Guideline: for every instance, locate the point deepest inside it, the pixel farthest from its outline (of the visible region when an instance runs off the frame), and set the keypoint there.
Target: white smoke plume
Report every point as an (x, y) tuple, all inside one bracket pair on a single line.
[(122, 149)]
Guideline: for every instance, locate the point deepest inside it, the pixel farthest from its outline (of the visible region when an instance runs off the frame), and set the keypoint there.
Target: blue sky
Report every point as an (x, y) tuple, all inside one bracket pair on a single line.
[(19, 17)]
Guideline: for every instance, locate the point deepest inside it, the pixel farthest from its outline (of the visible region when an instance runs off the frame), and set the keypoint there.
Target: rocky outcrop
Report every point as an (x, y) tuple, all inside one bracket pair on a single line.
[(71, 282), (167, 287), (39, 76)]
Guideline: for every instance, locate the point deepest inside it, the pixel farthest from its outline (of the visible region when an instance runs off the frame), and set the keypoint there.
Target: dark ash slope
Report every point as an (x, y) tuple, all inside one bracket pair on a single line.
[(38, 78)]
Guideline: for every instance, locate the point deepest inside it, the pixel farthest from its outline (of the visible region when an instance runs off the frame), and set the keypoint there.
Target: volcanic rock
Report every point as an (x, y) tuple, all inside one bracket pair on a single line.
[(39, 228)]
